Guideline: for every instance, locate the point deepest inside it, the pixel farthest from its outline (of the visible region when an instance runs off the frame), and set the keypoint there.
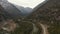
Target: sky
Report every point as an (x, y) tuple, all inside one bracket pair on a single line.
[(26, 3)]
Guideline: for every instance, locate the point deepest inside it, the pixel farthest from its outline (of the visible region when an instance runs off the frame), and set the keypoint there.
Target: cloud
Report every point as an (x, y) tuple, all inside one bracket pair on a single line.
[(26, 3)]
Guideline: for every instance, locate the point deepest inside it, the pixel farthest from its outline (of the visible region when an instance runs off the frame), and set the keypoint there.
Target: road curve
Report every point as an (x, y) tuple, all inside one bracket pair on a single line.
[(44, 29)]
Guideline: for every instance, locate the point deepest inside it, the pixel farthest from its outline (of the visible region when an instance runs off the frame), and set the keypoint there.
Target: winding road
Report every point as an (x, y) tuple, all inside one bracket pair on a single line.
[(44, 29)]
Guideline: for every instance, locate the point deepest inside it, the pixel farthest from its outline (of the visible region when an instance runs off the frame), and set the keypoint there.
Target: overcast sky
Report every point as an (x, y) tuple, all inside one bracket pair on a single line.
[(26, 3)]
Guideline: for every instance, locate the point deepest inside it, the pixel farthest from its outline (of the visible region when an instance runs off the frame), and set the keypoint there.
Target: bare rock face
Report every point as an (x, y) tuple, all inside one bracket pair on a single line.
[(9, 25)]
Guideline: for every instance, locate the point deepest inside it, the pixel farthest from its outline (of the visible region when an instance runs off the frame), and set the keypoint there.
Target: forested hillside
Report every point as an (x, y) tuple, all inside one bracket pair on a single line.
[(45, 17), (13, 25), (48, 14)]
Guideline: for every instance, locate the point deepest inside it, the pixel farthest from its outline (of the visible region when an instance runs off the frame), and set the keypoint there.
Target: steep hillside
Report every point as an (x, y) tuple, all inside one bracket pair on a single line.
[(10, 8), (48, 14), (44, 20), (13, 25)]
